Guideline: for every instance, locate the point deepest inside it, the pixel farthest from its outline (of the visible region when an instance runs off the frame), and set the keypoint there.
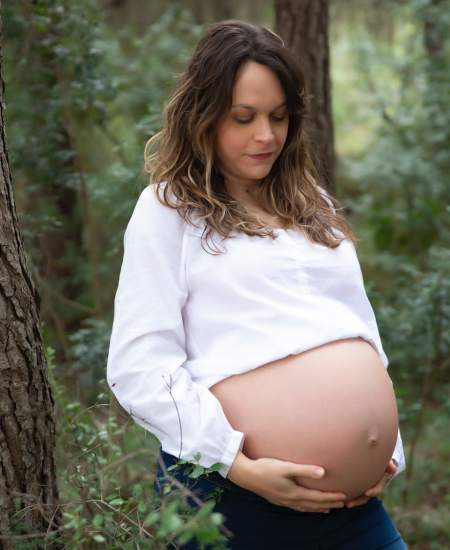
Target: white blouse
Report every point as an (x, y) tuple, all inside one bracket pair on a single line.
[(186, 319)]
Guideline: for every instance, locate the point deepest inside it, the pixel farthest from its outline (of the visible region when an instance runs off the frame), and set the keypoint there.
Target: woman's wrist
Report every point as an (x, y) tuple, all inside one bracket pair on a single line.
[(240, 470)]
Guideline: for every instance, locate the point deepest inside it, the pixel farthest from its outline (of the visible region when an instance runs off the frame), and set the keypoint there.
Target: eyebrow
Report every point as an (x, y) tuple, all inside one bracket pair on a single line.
[(244, 106)]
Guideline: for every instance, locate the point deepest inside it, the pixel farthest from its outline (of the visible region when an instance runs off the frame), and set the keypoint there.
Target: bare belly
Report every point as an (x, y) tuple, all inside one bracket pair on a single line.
[(331, 406)]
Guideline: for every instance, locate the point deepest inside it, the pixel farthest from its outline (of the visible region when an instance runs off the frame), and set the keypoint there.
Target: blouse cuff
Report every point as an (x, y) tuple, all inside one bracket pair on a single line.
[(234, 445)]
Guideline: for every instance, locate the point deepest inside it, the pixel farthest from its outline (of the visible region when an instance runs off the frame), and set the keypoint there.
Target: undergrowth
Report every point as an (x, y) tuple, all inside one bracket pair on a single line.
[(106, 470)]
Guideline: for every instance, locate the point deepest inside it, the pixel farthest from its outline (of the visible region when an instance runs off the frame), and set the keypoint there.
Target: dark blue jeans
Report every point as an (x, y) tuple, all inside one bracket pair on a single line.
[(259, 525)]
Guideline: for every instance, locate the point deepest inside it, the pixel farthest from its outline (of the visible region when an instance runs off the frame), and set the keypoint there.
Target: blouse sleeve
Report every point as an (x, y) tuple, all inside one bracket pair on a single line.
[(147, 350), (399, 457)]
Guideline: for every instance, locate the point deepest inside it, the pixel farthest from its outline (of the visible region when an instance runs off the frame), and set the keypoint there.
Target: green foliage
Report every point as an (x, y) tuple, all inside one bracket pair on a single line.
[(82, 100), (392, 104), (107, 466), (403, 173), (89, 353)]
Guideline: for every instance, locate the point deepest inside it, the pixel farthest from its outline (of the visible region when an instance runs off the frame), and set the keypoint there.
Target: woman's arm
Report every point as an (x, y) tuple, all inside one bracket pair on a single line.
[(147, 350)]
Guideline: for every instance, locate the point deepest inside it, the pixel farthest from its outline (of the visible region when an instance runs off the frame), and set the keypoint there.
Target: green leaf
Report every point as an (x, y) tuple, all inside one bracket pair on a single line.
[(110, 497), (170, 523), (137, 491), (98, 519), (216, 494), (142, 508), (217, 518), (172, 467), (197, 472), (197, 457), (186, 536), (215, 467), (205, 510), (99, 538), (152, 518), (116, 502)]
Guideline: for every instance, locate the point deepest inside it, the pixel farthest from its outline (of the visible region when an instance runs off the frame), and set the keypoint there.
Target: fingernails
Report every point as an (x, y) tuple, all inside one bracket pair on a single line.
[(318, 472)]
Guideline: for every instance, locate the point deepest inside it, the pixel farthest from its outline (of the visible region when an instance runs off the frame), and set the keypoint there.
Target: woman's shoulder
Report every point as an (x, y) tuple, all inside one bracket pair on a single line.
[(158, 204), (153, 217)]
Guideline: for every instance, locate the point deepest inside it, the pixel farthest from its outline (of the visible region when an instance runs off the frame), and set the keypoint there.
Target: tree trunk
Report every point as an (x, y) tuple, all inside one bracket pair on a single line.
[(435, 36), (27, 429), (303, 25)]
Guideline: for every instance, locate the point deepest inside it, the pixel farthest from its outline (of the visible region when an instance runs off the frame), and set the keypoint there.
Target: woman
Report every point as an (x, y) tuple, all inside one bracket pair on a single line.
[(241, 311)]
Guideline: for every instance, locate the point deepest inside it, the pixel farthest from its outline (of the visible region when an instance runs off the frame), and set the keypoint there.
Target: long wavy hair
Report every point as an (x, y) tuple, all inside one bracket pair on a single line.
[(181, 159)]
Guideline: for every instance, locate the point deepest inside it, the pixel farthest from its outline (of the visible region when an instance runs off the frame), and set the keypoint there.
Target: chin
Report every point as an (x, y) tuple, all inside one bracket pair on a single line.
[(257, 174)]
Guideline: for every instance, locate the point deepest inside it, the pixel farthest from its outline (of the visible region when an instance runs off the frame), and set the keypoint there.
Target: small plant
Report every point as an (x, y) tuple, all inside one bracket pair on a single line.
[(107, 467)]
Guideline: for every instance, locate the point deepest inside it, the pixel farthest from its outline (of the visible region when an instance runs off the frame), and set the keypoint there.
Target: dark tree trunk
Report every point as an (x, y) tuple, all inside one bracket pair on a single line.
[(27, 430), (303, 25), (435, 36)]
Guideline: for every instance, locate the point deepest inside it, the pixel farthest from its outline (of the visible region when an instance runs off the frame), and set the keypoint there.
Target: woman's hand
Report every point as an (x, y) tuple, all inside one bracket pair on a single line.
[(376, 489), (274, 480)]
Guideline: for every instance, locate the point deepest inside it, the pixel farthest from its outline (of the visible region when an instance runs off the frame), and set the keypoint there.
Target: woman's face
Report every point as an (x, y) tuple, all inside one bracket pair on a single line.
[(250, 138)]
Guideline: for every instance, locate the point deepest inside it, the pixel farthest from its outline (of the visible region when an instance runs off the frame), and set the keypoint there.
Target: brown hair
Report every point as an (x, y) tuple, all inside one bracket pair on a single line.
[(183, 165)]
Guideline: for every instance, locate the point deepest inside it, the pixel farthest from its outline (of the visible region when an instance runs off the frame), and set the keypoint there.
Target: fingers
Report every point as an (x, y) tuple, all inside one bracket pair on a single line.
[(321, 496), (378, 487), (374, 491), (304, 470), (357, 501), (312, 500), (391, 468)]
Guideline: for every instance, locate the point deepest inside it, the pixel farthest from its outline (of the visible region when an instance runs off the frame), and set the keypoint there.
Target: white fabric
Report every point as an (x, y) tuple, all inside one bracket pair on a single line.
[(186, 319)]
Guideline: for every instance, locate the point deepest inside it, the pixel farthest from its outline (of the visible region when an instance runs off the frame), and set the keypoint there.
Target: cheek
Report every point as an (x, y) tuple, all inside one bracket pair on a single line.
[(280, 134), (230, 141)]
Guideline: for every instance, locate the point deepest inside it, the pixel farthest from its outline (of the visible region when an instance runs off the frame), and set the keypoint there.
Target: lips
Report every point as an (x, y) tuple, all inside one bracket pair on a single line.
[(261, 156)]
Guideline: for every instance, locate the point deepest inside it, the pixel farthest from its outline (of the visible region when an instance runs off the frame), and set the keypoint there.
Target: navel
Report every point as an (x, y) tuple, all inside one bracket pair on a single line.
[(372, 438)]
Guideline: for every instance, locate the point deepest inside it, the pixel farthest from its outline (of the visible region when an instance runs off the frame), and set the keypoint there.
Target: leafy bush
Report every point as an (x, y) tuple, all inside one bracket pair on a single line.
[(106, 470)]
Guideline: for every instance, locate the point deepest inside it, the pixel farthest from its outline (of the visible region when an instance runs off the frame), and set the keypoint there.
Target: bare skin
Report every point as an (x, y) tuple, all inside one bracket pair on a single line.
[(247, 143)]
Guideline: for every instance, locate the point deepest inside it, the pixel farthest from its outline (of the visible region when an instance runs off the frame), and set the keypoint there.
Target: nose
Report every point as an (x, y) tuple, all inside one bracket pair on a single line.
[(264, 132)]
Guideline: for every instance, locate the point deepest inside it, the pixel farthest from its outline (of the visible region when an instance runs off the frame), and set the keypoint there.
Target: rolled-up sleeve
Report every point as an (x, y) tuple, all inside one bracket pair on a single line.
[(399, 457), (147, 350)]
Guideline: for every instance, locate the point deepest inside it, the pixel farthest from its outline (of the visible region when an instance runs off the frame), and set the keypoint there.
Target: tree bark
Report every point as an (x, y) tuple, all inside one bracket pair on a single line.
[(303, 25), (27, 429)]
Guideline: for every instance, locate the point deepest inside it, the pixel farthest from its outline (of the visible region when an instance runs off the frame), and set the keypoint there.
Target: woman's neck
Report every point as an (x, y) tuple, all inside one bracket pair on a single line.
[(245, 191)]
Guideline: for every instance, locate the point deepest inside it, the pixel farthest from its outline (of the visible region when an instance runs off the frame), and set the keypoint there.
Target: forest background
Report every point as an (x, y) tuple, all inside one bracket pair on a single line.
[(86, 83)]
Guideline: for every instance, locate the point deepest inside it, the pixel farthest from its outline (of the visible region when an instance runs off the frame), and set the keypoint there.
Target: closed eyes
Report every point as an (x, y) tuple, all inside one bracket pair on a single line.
[(246, 121)]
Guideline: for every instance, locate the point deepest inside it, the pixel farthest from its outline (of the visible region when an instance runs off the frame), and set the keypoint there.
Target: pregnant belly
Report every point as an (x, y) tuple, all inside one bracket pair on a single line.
[(331, 406)]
